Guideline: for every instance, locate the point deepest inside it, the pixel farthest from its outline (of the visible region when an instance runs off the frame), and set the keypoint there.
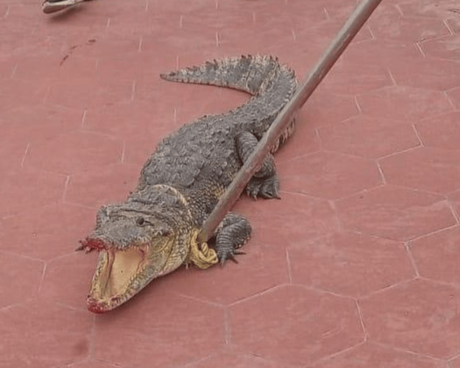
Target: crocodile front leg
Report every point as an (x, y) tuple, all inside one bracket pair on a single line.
[(265, 182), (232, 233)]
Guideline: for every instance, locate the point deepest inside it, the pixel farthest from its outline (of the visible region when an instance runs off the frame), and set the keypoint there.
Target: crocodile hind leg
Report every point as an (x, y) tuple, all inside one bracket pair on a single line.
[(232, 233), (265, 182)]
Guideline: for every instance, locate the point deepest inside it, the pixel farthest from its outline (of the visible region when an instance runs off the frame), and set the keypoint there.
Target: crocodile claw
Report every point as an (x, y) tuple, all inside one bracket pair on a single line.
[(230, 256)]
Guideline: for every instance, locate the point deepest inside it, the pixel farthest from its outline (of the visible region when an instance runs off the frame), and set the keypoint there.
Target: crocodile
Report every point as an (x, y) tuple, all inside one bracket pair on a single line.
[(155, 230)]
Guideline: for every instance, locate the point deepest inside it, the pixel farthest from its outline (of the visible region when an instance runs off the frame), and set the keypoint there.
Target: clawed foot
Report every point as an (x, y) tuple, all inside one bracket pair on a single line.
[(264, 188), (225, 255), (233, 232)]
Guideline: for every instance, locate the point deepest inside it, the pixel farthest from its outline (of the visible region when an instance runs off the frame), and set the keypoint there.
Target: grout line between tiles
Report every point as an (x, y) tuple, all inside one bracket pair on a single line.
[(411, 258), (26, 153)]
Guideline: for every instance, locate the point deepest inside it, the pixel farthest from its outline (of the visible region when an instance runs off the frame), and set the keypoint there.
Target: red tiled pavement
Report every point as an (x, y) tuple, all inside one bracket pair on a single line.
[(356, 266), (378, 356)]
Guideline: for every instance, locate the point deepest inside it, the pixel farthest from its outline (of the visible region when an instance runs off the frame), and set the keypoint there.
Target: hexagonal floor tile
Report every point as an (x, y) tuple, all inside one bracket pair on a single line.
[(321, 34), (378, 356), (303, 141), (93, 363), (338, 10), (73, 91), (443, 47), (455, 363), (419, 316), (111, 183), (47, 232), (138, 150), (390, 25), (24, 125), (404, 103), (443, 247), (350, 264), (42, 121), (249, 277), (351, 79), (286, 324), (130, 119), (318, 110), (381, 52), (20, 278), (382, 137), (425, 8), (23, 190), (7, 65), (38, 68), (454, 199), (395, 213), (67, 279), (453, 23), (439, 75), (12, 151), (328, 175), (74, 152), (43, 335), (276, 222), (21, 94), (441, 132), (454, 95), (424, 168), (234, 361), (183, 330)]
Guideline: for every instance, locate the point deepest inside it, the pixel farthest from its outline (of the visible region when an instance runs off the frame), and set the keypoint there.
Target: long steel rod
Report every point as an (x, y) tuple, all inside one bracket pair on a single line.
[(357, 19)]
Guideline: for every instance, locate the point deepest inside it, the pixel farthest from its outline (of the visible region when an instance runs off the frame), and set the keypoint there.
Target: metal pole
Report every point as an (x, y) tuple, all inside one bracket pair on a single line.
[(328, 59)]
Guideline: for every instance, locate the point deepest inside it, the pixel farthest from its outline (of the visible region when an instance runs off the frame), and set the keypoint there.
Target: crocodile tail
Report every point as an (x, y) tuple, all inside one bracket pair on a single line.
[(253, 74)]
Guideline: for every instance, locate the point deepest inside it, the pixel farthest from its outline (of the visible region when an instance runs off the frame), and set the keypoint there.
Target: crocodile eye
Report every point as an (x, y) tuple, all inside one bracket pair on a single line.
[(140, 221)]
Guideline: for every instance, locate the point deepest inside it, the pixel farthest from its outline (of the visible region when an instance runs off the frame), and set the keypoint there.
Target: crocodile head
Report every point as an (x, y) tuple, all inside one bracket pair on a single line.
[(134, 248)]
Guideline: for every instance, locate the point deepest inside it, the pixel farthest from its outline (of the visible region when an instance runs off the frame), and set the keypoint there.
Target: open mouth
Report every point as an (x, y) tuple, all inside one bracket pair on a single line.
[(119, 275)]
